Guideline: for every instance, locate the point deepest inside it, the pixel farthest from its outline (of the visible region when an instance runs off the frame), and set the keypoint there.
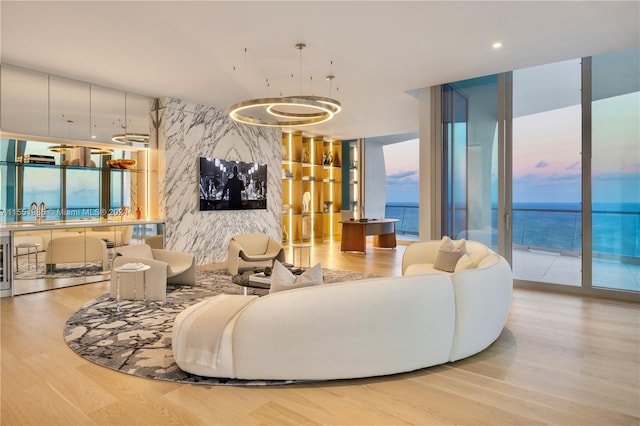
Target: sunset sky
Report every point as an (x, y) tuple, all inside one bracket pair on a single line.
[(546, 158)]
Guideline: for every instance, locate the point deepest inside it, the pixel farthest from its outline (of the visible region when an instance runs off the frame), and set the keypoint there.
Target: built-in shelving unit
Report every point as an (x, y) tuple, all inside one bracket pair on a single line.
[(311, 188)]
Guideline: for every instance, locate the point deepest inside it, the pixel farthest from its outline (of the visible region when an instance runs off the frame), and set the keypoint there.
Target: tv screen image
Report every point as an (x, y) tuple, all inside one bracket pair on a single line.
[(232, 185)]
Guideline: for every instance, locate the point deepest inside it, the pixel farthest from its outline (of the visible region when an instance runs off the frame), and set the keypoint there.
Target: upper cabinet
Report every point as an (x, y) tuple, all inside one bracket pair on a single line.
[(69, 109), (24, 101), (38, 104), (108, 107), (137, 113)]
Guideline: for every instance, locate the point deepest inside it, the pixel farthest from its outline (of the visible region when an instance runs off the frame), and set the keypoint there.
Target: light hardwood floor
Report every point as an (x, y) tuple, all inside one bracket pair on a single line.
[(562, 360)]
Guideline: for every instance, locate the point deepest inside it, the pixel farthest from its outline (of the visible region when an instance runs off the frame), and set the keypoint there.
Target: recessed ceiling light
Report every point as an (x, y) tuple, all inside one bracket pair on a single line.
[(497, 45)]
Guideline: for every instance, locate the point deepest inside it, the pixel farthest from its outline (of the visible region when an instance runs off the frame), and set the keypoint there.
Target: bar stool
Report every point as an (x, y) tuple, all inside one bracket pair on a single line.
[(28, 247)]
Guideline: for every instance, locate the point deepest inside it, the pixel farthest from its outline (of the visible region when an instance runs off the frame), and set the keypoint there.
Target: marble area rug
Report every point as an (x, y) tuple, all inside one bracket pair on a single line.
[(27, 270), (137, 340)]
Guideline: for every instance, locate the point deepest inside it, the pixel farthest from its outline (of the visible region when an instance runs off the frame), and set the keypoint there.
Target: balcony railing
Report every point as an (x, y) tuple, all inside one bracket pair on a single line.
[(616, 234), (407, 216)]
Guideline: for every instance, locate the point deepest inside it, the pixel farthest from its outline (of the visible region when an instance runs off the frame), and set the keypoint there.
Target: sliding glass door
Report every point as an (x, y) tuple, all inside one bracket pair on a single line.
[(470, 165), (546, 169)]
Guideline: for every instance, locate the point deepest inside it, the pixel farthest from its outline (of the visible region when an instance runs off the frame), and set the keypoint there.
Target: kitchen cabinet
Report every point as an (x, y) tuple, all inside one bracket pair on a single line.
[(37, 104), (69, 109), (24, 101), (108, 109)]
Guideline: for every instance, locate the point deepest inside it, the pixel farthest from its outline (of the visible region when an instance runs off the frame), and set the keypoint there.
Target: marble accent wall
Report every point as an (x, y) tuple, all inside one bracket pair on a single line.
[(188, 131)]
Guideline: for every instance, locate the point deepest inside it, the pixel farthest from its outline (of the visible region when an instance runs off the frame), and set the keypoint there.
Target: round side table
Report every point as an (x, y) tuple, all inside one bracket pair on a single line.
[(125, 270), (301, 247)]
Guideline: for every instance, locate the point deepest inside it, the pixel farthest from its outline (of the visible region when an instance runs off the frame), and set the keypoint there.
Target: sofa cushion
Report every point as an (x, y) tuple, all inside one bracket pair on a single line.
[(449, 253), (477, 252), (464, 262), (422, 268), (283, 279)]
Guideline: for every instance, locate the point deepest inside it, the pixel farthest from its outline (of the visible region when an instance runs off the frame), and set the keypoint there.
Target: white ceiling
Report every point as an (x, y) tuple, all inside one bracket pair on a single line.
[(380, 50)]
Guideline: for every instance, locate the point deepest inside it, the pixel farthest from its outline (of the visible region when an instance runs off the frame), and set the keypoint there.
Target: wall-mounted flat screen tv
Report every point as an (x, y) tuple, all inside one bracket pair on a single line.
[(232, 185)]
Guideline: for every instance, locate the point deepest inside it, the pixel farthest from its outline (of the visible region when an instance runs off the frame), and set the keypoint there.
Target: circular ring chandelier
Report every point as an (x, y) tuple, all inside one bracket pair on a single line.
[(321, 110), (286, 111)]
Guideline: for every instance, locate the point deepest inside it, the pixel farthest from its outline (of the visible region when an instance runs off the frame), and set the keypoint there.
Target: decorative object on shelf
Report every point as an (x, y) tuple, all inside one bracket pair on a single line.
[(306, 157), (36, 159), (138, 213), (285, 235), (286, 111), (328, 159), (306, 197), (122, 163), (327, 206), (309, 178)]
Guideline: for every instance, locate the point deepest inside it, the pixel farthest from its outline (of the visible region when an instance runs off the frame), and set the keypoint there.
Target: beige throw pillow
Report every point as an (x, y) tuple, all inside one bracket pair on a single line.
[(449, 253), (283, 279)]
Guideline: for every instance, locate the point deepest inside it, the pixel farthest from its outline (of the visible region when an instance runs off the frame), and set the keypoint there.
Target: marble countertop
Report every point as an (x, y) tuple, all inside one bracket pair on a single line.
[(51, 224)]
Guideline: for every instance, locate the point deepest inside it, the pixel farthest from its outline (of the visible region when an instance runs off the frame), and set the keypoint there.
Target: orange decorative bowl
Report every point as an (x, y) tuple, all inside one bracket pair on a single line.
[(126, 163), (122, 163)]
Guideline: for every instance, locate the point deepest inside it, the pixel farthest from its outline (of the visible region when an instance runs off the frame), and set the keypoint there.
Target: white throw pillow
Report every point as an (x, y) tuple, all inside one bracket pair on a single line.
[(283, 279), (465, 262), (449, 253)]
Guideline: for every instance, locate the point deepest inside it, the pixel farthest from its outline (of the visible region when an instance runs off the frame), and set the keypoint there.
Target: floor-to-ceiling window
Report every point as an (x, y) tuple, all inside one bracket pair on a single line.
[(615, 170), (574, 219)]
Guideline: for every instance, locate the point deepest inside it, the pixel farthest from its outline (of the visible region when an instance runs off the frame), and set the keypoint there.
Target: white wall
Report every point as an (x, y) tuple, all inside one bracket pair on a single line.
[(187, 132)]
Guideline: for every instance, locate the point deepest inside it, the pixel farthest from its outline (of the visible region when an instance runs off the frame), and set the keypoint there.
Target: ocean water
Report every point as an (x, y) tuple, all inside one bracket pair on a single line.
[(556, 226)]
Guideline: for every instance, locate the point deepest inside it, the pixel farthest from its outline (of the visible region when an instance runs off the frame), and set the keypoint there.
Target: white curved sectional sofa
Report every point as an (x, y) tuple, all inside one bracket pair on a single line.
[(364, 328)]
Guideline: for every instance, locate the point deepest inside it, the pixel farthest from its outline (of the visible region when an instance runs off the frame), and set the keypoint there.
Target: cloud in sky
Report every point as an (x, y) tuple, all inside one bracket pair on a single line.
[(573, 166), (403, 186), (402, 176), (542, 164)]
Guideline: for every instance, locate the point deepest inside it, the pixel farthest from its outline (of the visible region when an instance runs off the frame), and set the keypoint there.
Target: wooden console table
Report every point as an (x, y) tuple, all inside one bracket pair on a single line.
[(354, 234)]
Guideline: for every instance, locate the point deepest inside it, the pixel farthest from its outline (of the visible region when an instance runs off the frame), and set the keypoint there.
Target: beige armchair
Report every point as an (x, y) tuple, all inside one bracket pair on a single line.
[(76, 250), (167, 266), (253, 249)]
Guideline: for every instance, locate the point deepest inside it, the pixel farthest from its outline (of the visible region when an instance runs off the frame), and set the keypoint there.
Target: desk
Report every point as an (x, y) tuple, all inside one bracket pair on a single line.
[(354, 234)]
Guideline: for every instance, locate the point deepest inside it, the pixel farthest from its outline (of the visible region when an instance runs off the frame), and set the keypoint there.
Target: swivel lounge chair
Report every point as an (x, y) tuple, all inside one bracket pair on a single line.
[(248, 250)]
